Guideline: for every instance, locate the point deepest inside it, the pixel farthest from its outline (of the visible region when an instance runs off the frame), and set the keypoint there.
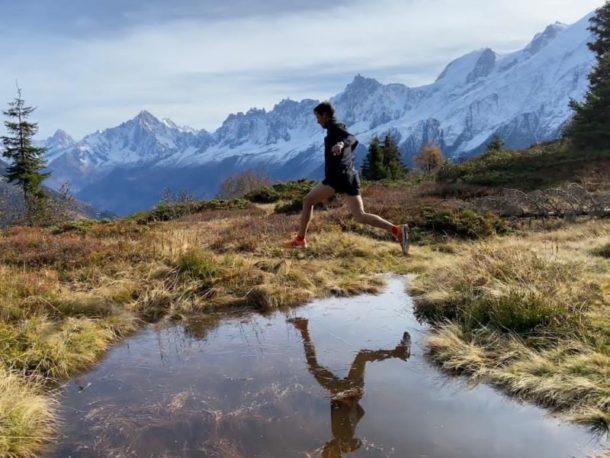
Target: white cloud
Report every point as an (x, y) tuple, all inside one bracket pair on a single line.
[(198, 71)]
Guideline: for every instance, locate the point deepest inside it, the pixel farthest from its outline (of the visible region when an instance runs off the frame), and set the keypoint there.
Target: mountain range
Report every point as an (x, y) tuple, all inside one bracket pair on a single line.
[(521, 96)]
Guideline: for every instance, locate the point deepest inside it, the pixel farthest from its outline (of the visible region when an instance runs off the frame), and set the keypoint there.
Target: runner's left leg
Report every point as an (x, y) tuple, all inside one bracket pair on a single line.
[(318, 194)]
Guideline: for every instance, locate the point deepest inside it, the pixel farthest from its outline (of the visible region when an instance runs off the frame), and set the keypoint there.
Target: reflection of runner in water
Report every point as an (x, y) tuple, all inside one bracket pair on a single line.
[(345, 393)]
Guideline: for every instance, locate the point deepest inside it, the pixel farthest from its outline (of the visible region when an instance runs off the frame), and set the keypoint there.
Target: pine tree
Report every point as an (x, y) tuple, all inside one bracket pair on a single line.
[(392, 161), (496, 144), (365, 171), (373, 168), (590, 127), (25, 160)]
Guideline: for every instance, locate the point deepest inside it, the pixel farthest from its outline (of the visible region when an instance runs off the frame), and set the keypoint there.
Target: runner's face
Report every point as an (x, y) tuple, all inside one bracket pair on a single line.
[(322, 119)]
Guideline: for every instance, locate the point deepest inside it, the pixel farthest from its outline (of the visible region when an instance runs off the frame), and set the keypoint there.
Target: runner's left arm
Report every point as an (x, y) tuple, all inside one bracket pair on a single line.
[(342, 135)]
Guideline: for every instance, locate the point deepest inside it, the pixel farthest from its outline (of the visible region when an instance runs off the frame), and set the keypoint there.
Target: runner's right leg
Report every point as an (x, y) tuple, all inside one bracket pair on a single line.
[(318, 194), (400, 233)]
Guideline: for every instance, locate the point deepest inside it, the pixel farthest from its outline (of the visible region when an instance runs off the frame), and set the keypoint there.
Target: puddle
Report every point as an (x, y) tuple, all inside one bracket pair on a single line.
[(334, 378)]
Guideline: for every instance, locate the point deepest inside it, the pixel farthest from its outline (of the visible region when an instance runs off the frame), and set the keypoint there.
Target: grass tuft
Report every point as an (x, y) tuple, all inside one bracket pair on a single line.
[(510, 288), (529, 315), (27, 416), (603, 251)]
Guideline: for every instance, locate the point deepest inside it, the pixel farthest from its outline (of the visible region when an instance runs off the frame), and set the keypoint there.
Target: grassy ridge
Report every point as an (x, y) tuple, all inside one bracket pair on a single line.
[(541, 166)]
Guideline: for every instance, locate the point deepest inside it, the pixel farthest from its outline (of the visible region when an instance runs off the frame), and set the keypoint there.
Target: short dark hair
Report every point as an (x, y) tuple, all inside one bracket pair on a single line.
[(325, 107)]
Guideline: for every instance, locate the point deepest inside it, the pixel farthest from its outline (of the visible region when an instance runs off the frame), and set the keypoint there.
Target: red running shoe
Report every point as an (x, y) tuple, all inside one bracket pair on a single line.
[(401, 235), (296, 242)]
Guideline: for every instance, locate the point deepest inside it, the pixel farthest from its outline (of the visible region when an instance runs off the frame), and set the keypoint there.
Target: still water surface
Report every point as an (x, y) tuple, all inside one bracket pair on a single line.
[(338, 377)]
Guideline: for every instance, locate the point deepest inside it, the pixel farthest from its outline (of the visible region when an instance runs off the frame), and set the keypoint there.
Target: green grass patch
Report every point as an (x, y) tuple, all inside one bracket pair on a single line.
[(199, 264)]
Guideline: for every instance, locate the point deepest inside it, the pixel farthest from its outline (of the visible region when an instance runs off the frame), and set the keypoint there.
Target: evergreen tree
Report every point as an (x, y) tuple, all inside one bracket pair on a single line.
[(392, 161), (590, 127), (496, 144), (25, 160), (375, 169), (365, 171)]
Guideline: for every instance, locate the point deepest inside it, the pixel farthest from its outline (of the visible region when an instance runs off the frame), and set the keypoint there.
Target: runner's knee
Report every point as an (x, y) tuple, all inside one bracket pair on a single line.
[(308, 201), (359, 216)]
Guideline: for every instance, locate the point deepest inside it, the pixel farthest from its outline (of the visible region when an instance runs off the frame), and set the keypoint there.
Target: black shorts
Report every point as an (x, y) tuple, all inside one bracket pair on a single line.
[(344, 183)]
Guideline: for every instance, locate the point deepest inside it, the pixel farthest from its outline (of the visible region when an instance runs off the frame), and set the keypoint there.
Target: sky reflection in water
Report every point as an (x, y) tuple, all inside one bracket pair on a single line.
[(334, 378)]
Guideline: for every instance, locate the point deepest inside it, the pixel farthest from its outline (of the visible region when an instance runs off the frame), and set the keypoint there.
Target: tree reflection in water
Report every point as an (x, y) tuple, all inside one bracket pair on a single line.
[(345, 393)]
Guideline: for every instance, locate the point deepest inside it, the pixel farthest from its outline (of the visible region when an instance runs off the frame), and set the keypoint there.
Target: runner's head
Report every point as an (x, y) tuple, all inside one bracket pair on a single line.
[(325, 113)]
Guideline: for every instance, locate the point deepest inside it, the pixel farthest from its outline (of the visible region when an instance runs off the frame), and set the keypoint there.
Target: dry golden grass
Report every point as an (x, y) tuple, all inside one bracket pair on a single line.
[(530, 314), (27, 417), (66, 295)]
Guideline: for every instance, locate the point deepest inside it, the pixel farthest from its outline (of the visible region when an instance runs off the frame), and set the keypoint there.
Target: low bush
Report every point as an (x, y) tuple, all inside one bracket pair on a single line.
[(101, 229), (290, 190), (294, 206), (170, 211), (541, 166), (265, 195), (35, 247), (463, 223)]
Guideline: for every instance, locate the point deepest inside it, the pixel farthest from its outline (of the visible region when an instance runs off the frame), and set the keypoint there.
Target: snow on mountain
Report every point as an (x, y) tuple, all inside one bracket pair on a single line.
[(59, 140), (141, 140), (260, 136), (522, 96)]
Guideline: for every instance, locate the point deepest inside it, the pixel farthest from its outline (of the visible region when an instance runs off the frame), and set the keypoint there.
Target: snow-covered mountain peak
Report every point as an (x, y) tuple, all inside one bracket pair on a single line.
[(169, 123), (172, 125), (361, 85), (256, 111), (60, 139), (285, 105), (292, 108), (56, 144), (483, 66), (146, 115), (542, 39), (146, 120), (466, 68), (142, 139), (265, 128)]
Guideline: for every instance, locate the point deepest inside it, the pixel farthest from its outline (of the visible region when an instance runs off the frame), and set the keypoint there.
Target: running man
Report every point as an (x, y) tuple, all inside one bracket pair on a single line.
[(341, 178)]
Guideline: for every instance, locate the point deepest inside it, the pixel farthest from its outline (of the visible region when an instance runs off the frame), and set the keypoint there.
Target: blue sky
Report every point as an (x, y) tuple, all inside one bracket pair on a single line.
[(89, 64)]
